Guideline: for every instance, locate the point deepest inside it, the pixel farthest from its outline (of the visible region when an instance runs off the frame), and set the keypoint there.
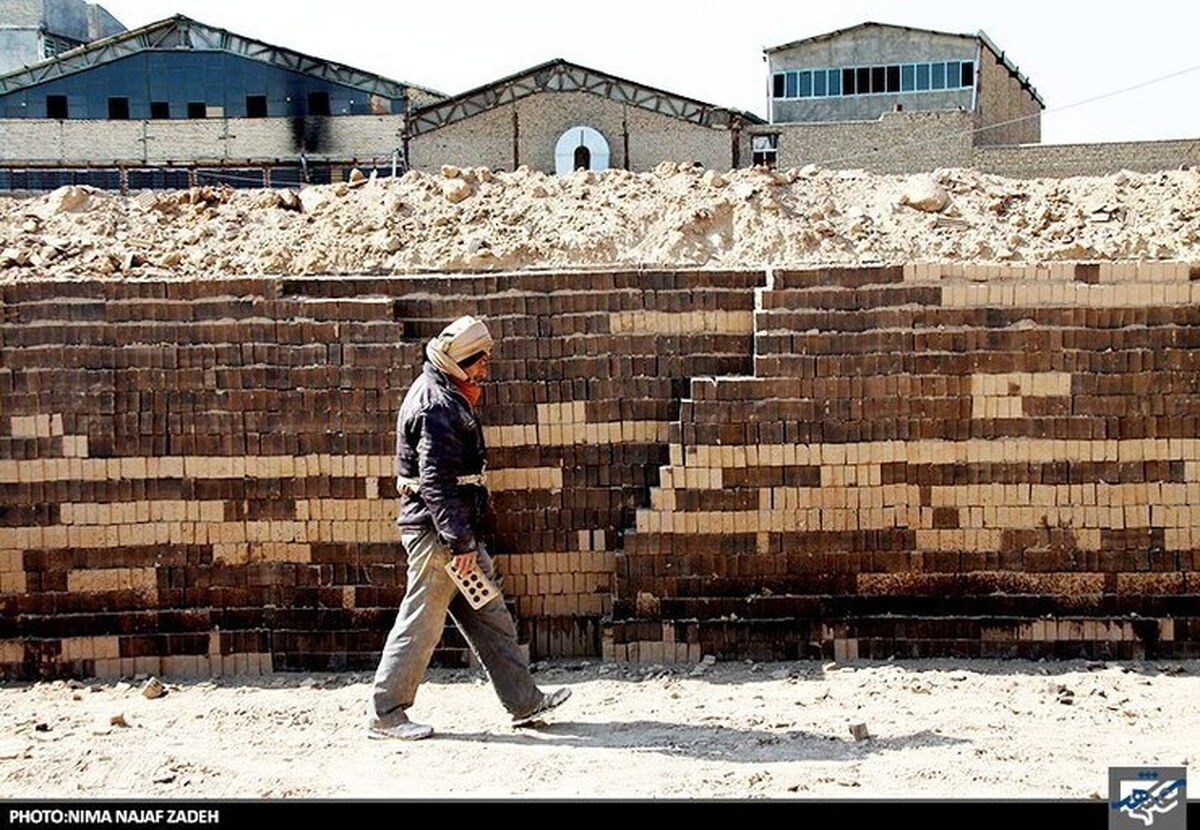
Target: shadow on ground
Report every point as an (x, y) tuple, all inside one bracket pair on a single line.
[(712, 742)]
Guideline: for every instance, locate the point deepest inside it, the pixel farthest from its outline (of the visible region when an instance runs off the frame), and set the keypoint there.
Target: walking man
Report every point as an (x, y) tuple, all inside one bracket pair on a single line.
[(443, 503)]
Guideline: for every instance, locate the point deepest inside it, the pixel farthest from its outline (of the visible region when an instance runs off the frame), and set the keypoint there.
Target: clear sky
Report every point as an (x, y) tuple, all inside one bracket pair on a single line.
[(1072, 51)]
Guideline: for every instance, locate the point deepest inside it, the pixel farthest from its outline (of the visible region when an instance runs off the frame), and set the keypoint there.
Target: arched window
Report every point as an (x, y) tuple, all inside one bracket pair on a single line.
[(580, 148)]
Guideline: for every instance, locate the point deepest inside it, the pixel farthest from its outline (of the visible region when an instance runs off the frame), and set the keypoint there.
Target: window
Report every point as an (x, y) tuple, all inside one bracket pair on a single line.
[(893, 79), (160, 109), (804, 82), (862, 79), (764, 149), (256, 106), (922, 77), (866, 80), (938, 73), (56, 106), (953, 74), (878, 79), (318, 103), (835, 81), (118, 109), (56, 44), (848, 82), (197, 109)]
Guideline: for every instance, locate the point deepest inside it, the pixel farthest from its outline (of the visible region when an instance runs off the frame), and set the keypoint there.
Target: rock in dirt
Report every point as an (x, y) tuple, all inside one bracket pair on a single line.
[(118, 720), (924, 194), (859, 731), (313, 199), (290, 200), (456, 190), (153, 688), (69, 199)]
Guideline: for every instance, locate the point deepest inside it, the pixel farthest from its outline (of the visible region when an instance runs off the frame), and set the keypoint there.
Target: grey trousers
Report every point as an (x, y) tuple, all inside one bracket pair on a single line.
[(431, 594)]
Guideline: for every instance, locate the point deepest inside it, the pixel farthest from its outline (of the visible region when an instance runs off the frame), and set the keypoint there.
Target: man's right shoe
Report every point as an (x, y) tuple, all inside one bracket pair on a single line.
[(400, 728), (548, 702)]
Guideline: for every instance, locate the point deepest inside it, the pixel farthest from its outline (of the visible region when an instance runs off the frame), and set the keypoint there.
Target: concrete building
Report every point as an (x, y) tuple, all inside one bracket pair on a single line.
[(33, 30), (862, 72), (181, 92), (559, 116)]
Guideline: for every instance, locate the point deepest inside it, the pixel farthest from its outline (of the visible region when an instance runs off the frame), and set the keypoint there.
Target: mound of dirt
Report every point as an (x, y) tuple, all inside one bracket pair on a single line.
[(675, 216)]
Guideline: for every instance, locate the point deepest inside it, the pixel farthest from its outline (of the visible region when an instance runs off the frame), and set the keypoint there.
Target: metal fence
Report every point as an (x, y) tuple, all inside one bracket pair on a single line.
[(24, 178)]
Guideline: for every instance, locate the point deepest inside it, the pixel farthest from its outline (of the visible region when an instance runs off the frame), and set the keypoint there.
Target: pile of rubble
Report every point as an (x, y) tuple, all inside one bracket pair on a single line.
[(674, 216)]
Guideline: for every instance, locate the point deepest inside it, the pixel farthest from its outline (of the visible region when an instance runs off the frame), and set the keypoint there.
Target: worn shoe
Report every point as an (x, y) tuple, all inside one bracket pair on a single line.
[(399, 728), (551, 701)]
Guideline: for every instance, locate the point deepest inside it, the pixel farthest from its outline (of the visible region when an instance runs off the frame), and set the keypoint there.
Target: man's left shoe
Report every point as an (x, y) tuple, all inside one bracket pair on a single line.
[(551, 701)]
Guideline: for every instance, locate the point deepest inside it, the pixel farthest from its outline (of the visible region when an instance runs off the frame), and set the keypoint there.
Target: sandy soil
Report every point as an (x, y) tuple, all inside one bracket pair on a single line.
[(937, 729)]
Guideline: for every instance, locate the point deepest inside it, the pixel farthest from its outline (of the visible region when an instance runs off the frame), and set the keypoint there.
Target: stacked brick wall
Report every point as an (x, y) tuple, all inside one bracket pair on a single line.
[(897, 142), (917, 461), (210, 139), (1049, 160), (935, 461), (197, 477)]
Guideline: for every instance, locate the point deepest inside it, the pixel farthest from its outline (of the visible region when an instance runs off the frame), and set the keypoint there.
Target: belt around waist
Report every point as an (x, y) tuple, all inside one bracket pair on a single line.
[(412, 485)]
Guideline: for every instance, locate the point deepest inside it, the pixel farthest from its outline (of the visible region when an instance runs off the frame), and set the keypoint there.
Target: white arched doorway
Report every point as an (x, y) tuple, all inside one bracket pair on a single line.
[(580, 148)]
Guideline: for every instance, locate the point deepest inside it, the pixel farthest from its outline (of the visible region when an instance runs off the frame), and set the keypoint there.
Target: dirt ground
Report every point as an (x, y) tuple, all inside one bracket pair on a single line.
[(937, 729)]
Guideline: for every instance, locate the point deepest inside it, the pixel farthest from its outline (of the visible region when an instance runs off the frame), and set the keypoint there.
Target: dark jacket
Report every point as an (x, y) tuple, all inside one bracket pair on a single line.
[(438, 439)]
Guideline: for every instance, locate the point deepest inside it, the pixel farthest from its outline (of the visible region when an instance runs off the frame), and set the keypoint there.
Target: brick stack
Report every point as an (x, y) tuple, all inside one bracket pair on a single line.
[(935, 461), (197, 477)]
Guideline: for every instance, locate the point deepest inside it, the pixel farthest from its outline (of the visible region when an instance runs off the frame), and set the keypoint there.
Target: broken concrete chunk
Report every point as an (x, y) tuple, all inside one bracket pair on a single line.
[(456, 190), (153, 688), (69, 199), (859, 731), (290, 200), (312, 199), (924, 194)]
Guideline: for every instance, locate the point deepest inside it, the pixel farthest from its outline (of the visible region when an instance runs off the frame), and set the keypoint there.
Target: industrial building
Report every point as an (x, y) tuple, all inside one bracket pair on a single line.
[(32, 31), (862, 72), (559, 116)]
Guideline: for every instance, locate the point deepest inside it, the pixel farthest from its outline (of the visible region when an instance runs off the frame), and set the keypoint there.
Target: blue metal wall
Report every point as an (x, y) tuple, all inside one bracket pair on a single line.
[(219, 79)]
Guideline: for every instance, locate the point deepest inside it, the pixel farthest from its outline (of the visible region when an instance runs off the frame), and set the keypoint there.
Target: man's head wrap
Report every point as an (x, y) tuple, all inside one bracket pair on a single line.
[(460, 341)]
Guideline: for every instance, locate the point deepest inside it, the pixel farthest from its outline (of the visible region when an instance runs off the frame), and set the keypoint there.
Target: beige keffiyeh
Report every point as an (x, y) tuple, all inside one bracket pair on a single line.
[(463, 338)]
